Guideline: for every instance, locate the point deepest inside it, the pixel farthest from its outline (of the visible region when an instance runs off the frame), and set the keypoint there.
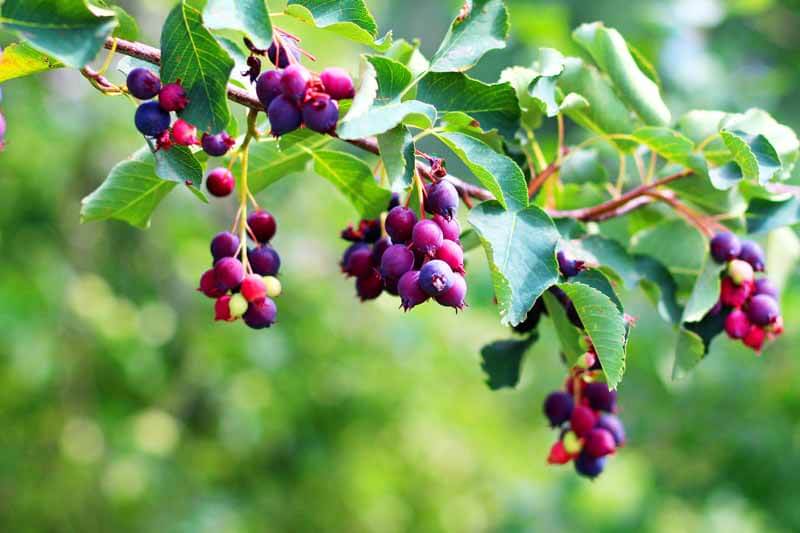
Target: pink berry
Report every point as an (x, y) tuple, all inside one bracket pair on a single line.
[(172, 97), (210, 286), (338, 83), (220, 182), (294, 82), (253, 288), (735, 295), (184, 133), (229, 272), (755, 338), (582, 420), (452, 254), (263, 225), (599, 442), (455, 295), (400, 224), (427, 237), (222, 309), (451, 230), (736, 324), (411, 294)]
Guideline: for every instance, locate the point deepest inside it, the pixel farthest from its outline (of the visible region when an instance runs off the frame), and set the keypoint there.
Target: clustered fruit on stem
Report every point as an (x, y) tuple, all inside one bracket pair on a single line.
[(584, 414), (749, 305)]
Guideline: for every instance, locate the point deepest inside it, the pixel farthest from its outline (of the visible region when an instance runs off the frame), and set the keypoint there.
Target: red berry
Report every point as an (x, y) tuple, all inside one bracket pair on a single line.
[(755, 338), (263, 225), (735, 295), (184, 133), (599, 443), (736, 324), (253, 288), (172, 97), (222, 310), (455, 295), (229, 272), (210, 286), (220, 182), (452, 254), (370, 286), (451, 230), (582, 420), (558, 455)]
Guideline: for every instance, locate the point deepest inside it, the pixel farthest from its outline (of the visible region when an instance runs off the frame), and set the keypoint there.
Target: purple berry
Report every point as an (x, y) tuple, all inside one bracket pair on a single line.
[(369, 287), (151, 120), (220, 182), (262, 225), (763, 310), (264, 260), (725, 246), (765, 286), (737, 324), (573, 316), (614, 426), (268, 87), (359, 262), (452, 254), (261, 314), (172, 97), (224, 244), (568, 267), (394, 201), (294, 82), (442, 199), (210, 286), (451, 230), (396, 261), (229, 272), (143, 83), (558, 407), (391, 286), (338, 83), (589, 466), (455, 295), (284, 116), (600, 397), (753, 254), (379, 249), (411, 294), (599, 443), (400, 224), (2, 131), (436, 277), (427, 237), (320, 113), (278, 52), (217, 145)]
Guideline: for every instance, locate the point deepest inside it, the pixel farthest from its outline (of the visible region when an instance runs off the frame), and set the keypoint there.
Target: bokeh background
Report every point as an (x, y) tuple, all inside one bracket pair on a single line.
[(123, 407)]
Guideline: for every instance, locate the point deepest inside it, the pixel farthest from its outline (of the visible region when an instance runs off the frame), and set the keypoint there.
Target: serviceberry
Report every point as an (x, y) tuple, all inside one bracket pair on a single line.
[(261, 314), (143, 83), (321, 113), (284, 116), (451, 230), (762, 310), (273, 286), (753, 254), (452, 254), (396, 261), (268, 87), (740, 271), (558, 454), (370, 286), (737, 324), (378, 249), (210, 286), (229, 272), (558, 407), (436, 277), (337, 83), (411, 294), (184, 133), (238, 305), (222, 309), (582, 420), (358, 261), (151, 120), (427, 237), (400, 224), (224, 244), (220, 182), (217, 145), (569, 267), (264, 260), (253, 288), (765, 286), (725, 246), (172, 97), (735, 295), (755, 338), (589, 466), (454, 296), (278, 52), (599, 443), (600, 397), (263, 226), (294, 82), (442, 199), (614, 426)]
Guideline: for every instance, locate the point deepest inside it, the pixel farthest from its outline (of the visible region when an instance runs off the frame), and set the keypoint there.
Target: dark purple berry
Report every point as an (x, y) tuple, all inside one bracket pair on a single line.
[(572, 315), (379, 249), (725, 246), (452, 254), (762, 310), (151, 120), (532, 318), (442, 199), (451, 230), (143, 83), (737, 324), (427, 237), (454, 296), (411, 294), (172, 97), (320, 113), (229, 272), (765, 286), (348, 252), (262, 225), (436, 277), (337, 83), (264, 260), (268, 87), (558, 407), (294, 82), (220, 182), (394, 201), (568, 267), (599, 443), (359, 262), (210, 286), (614, 426), (600, 397), (753, 254), (278, 52), (217, 145), (224, 244), (396, 261), (369, 287), (589, 466), (284, 116), (261, 314), (391, 286), (400, 224)]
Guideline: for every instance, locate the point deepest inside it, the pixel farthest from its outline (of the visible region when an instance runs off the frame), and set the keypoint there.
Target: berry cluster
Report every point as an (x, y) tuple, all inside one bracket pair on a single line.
[(749, 304), (418, 259), (583, 412), (243, 280), (153, 118), (293, 97)]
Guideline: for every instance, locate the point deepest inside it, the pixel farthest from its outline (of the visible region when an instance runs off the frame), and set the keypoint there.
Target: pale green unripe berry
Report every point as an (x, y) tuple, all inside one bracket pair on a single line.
[(740, 271), (572, 443), (237, 305), (273, 285)]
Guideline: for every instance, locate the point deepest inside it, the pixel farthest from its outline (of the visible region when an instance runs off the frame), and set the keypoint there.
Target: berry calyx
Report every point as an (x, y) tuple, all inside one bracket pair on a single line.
[(725, 246), (558, 407), (740, 271), (736, 324), (763, 310), (294, 82), (273, 286), (337, 83), (411, 294), (284, 116), (172, 97), (184, 133), (217, 145), (224, 244), (237, 305), (436, 277), (427, 237), (321, 113), (442, 199), (253, 288), (220, 182), (400, 224), (143, 83), (261, 314), (151, 120), (262, 225), (222, 310), (229, 272), (599, 443), (396, 261), (753, 254), (268, 87), (264, 260), (455, 296)]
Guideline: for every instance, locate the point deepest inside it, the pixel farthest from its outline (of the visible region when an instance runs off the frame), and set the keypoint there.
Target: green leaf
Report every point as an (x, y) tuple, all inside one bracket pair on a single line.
[(494, 106), (548, 66), (758, 122), (606, 113), (19, 59), (458, 122), (766, 215), (605, 326), (570, 337), (702, 126), (597, 280), (130, 193), (498, 173), (583, 166), (179, 164), (520, 79), (250, 17), (408, 54), (684, 262), (398, 155), (348, 18), (269, 164), (611, 53), (520, 247), (127, 28), (610, 254), (755, 156), (705, 294), (353, 178), (660, 287), (502, 361), (694, 341), (378, 106), (67, 30), (702, 193), (483, 27), (672, 146), (191, 54)]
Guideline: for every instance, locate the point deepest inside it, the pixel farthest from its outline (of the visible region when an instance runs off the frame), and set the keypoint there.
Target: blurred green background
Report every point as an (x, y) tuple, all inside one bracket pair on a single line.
[(123, 407)]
